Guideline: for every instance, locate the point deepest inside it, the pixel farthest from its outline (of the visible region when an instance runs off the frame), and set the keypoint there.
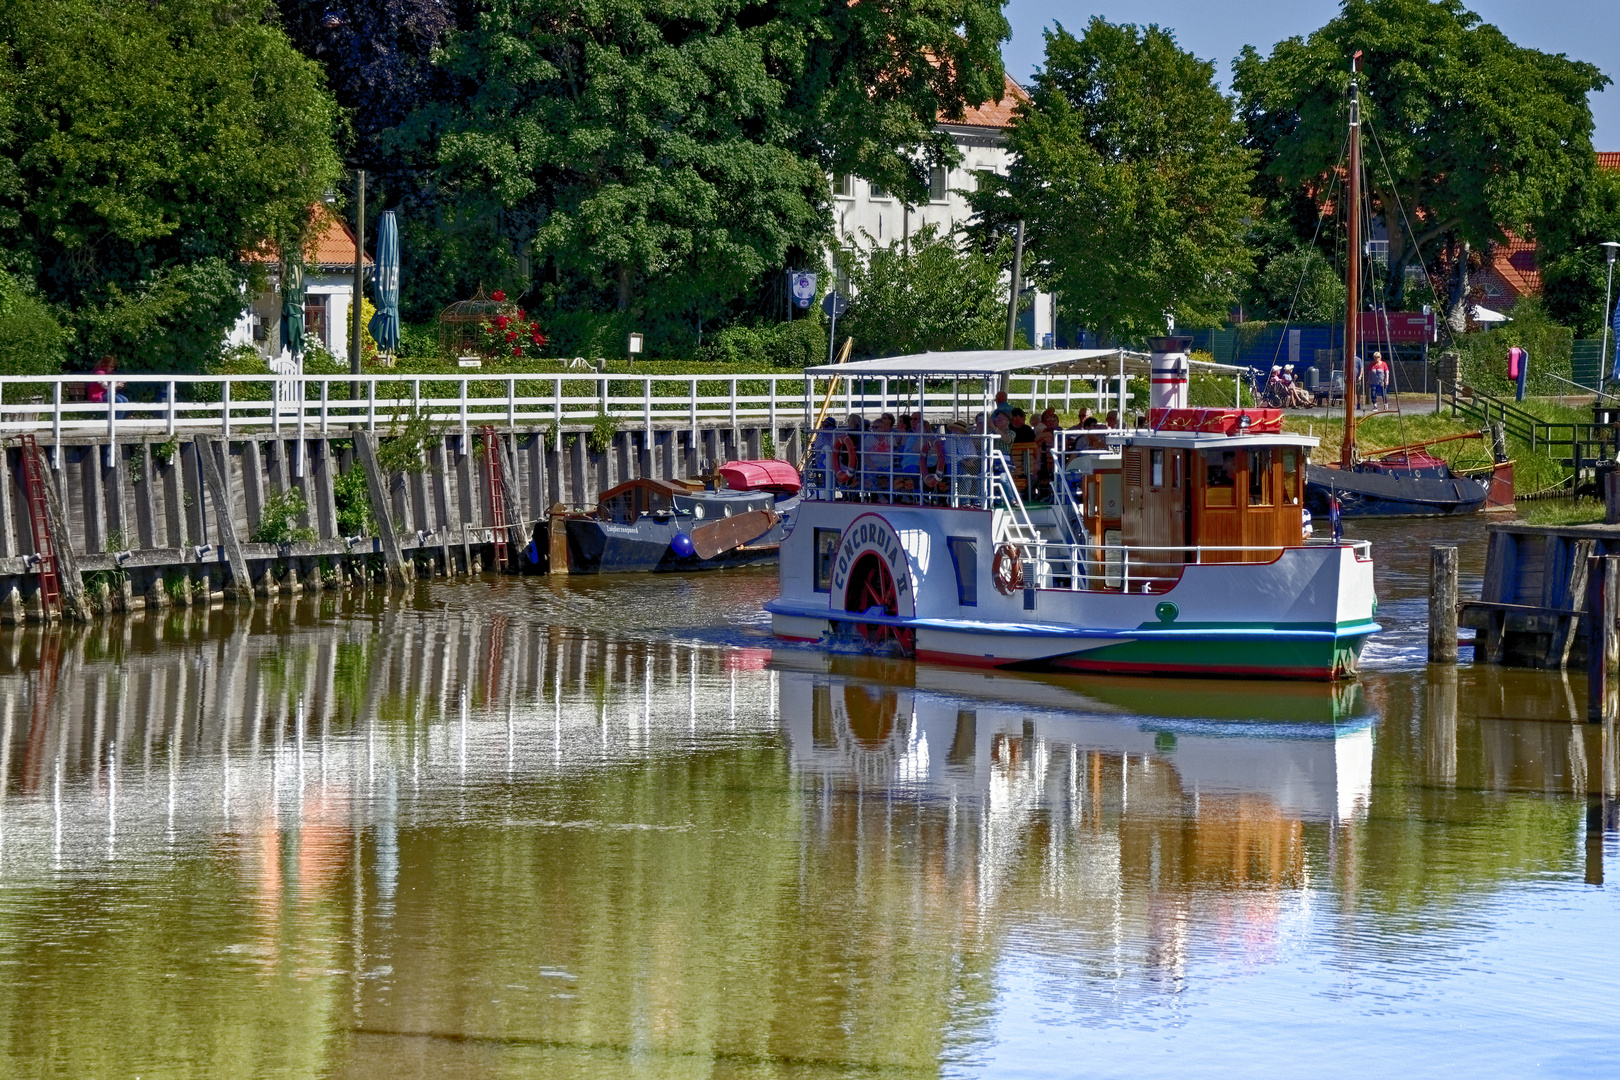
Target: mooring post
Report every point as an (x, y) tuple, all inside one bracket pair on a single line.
[(1602, 648), (365, 445), (1442, 605), (557, 532), (1611, 497)]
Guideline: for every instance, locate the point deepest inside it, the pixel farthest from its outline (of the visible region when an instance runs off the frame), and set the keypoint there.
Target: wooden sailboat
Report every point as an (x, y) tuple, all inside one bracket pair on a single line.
[(1407, 482)]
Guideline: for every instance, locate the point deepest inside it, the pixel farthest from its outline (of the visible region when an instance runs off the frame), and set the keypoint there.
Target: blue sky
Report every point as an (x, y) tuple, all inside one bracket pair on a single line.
[(1216, 29)]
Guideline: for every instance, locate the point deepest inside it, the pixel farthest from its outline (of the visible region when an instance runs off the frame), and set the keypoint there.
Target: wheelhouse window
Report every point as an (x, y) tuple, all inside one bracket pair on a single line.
[(1260, 486), (1290, 471), (1220, 477), (826, 552), (965, 554)]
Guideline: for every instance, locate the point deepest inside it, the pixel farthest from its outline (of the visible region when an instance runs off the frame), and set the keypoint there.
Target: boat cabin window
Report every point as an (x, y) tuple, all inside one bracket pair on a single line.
[(826, 552), (965, 553), (1290, 471), (1220, 477), (1260, 487), (1175, 470), (1156, 469)]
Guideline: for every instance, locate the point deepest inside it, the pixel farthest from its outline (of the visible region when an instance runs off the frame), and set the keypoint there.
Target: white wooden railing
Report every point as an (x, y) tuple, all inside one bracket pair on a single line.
[(231, 404)]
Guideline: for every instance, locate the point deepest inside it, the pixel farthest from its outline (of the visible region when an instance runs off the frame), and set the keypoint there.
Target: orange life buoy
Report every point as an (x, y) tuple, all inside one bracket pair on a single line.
[(1008, 569)]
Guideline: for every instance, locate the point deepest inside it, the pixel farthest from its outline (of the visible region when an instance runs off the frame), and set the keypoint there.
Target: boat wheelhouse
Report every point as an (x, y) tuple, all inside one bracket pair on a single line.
[(1173, 545)]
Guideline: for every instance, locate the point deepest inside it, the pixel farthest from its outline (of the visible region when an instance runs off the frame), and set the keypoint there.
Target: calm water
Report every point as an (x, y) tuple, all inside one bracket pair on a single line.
[(599, 827)]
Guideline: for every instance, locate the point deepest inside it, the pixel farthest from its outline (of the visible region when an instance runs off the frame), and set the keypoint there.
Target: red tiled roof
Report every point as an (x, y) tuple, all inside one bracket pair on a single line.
[(1514, 262), (992, 114), (333, 244), (1609, 159)]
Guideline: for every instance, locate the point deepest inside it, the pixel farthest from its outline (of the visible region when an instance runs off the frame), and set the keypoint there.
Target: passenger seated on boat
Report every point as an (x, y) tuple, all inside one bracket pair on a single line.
[(1021, 430), (1050, 419), (1223, 473), (1112, 423), (1001, 426), (907, 444), (823, 451), (1044, 462), (962, 466), (1097, 441), (877, 455), (936, 483), (847, 454)]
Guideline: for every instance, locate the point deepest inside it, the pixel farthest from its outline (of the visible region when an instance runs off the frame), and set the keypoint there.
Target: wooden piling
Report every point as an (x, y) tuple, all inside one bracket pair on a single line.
[(381, 509), (557, 533), (1611, 497), (1442, 605), (224, 522), (1602, 647)]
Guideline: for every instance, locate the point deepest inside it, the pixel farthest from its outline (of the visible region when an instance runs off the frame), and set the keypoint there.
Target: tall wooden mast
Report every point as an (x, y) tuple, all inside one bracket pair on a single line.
[(1352, 319)]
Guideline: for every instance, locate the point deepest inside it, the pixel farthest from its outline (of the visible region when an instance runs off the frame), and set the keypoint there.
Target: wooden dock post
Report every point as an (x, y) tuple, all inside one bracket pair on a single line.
[(557, 533), (365, 446), (1611, 497), (1442, 605), (1602, 647)]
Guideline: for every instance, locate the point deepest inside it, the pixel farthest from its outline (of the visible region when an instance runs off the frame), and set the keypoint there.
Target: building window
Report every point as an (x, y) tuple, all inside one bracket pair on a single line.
[(936, 184), (879, 191), (965, 553), (826, 552), (844, 186), (980, 178), (315, 321)]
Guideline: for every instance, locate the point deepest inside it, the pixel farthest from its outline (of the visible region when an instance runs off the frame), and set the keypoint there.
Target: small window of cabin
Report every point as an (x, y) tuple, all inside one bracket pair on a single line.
[(1290, 478), (1261, 491), (1156, 469), (1220, 477), (1175, 470), (826, 552), (965, 554)]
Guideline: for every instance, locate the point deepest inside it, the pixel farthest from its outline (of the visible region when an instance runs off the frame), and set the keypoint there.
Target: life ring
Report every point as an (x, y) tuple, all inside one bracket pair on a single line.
[(1008, 569)]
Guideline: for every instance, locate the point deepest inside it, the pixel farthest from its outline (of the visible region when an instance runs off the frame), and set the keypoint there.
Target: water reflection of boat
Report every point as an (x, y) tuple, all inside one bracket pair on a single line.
[(1300, 757)]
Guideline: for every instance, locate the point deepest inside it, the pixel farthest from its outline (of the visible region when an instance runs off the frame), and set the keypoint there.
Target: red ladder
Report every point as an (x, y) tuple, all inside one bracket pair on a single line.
[(50, 584), (495, 484)]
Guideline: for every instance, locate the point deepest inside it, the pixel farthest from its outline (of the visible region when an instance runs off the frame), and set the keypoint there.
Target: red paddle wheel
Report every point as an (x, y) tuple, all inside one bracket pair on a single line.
[(871, 586)]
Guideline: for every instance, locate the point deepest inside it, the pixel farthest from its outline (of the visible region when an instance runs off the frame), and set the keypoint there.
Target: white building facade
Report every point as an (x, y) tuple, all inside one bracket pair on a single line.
[(864, 214), (328, 296)]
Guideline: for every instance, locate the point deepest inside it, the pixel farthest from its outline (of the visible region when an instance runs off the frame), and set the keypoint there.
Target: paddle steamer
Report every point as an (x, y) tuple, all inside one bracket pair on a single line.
[(1177, 546)]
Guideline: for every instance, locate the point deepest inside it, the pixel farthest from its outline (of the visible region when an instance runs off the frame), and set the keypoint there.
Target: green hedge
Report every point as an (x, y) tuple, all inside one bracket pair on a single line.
[(1482, 355)]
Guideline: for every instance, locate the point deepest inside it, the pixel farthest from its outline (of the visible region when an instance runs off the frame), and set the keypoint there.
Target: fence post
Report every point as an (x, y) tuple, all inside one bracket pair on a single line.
[(772, 384), (326, 394), (112, 428), (371, 404), (225, 407), (464, 416), (733, 401), (56, 424), (171, 407), (692, 404), (511, 403), (646, 407), (557, 411)]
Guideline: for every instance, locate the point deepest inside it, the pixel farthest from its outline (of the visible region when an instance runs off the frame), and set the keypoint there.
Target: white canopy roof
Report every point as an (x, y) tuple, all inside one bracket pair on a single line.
[(986, 362)]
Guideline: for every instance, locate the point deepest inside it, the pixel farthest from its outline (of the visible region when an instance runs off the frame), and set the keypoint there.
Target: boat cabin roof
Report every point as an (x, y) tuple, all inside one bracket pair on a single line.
[(981, 363), (1212, 440), (647, 483)]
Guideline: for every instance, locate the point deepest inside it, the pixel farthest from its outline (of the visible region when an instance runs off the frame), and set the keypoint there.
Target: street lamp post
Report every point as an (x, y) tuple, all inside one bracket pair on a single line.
[(1610, 248)]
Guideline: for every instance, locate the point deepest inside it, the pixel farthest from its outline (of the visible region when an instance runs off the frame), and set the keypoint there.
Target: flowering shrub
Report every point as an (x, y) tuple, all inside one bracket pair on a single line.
[(513, 331)]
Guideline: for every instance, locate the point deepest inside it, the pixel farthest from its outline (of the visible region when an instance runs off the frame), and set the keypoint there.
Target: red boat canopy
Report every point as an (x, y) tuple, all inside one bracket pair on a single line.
[(767, 475)]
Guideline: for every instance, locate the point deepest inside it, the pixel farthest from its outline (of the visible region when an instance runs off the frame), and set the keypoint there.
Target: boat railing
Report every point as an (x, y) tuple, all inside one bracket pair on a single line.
[(905, 468), (1140, 569)]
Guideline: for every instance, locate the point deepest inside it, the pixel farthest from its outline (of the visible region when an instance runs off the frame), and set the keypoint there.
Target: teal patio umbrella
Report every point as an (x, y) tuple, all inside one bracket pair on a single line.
[(292, 303), (384, 325)]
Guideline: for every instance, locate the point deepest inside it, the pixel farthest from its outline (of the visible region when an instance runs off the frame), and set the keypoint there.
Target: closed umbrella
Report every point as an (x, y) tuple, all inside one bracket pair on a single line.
[(385, 286), (292, 304)]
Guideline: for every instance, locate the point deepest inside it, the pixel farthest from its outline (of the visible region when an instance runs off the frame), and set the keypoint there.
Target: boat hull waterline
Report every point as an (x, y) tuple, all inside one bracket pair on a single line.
[(1304, 615)]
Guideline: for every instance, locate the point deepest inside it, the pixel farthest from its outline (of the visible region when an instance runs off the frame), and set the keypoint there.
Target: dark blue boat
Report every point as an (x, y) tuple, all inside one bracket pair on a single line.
[(664, 525), (1411, 485)]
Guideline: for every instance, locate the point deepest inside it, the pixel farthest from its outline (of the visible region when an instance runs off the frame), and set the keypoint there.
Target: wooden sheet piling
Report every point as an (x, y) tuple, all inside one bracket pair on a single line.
[(1442, 605)]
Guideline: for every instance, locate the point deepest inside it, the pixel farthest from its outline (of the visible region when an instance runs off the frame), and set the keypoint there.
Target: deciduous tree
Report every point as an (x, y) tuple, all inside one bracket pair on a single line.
[(151, 146), (1130, 174), (1468, 132), (924, 294)]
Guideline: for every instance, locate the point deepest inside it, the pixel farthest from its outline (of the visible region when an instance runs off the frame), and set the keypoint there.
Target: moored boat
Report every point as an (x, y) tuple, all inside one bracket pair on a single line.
[(649, 524), (1173, 547)]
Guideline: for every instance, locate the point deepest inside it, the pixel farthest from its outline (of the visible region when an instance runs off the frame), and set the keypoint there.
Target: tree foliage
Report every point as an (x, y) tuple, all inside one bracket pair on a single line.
[(665, 160), (150, 147), (1132, 179), (1467, 131), (925, 294), (1574, 270)]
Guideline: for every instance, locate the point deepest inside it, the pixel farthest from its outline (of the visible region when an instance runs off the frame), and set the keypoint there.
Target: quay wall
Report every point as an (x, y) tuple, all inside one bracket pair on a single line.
[(144, 525)]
